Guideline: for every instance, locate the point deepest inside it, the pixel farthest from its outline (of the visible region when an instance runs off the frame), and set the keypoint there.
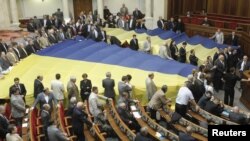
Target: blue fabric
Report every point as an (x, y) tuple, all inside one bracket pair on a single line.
[(155, 32), (100, 52)]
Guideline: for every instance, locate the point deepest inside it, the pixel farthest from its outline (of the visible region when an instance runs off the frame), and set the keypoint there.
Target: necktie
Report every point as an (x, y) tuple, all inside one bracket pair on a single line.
[(25, 51)]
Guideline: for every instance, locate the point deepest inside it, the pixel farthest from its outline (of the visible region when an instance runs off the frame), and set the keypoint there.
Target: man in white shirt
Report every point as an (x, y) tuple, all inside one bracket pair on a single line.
[(183, 97), (58, 88), (147, 45), (150, 86), (94, 104), (218, 36)]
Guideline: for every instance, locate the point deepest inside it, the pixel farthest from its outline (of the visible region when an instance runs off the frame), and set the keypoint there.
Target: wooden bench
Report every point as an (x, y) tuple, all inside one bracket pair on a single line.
[(124, 128), (200, 133), (153, 126)]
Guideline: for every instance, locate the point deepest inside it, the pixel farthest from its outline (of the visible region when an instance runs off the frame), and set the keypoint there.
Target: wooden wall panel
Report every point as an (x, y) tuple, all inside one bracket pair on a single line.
[(82, 5), (229, 7)]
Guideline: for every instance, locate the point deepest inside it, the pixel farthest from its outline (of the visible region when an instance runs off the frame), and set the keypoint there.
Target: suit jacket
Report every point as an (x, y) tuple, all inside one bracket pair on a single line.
[(106, 14), (21, 88), (52, 39), (133, 24), (72, 90), (86, 87), (108, 85), (160, 24), (213, 108), (23, 53), (123, 87), (232, 41), (45, 115), (79, 118), (5, 64), (114, 40), (174, 50), (4, 123), (30, 27), (125, 115), (17, 106), (41, 100), (140, 137), (30, 49), (150, 88), (17, 53), (3, 47), (38, 87), (203, 101), (137, 14), (246, 66), (220, 68), (141, 26), (237, 117), (193, 60), (102, 36), (158, 100), (54, 134), (185, 137), (134, 44), (182, 53), (13, 59), (199, 89), (179, 27), (94, 105), (37, 45)]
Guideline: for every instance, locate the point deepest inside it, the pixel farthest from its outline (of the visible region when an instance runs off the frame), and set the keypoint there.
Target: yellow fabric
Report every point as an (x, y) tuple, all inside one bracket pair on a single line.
[(200, 51), (28, 69)]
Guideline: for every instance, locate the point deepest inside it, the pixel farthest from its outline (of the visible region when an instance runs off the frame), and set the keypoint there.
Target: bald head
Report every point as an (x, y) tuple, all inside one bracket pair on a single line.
[(236, 109), (80, 105), (189, 129)]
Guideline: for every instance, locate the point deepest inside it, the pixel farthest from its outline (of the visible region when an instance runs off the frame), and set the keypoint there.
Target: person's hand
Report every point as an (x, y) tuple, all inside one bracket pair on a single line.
[(31, 108), (197, 108), (58, 106), (130, 122)]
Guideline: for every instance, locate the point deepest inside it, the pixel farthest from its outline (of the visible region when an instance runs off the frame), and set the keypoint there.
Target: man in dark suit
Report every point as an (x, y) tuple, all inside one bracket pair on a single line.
[(102, 35), (179, 28), (186, 136), (20, 86), (4, 123), (108, 84), (86, 87), (38, 85), (137, 14), (230, 80), (127, 117), (232, 39), (45, 115), (182, 53), (214, 106), (199, 88), (30, 48), (171, 24), (106, 13), (237, 117), (30, 26), (143, 135), (243, 65), (134, 43), (161, 23), (22, 51), (113, 40), (3, 46), (220, 70), (132, 23), (45, 97), (78, 119), (52, 38)]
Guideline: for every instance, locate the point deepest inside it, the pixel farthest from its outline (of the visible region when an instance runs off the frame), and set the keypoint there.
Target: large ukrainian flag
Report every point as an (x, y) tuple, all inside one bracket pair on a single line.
[(203, 46), (75, 57)]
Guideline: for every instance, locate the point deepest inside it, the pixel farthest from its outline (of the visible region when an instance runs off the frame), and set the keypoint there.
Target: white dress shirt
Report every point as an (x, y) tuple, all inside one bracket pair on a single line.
[(183, 96)]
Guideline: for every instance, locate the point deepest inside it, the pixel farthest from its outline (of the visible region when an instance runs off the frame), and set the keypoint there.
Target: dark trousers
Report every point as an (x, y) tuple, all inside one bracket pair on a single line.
[(19, 122), (229, 96), (217, 83), (79, 134), (181, 109), (152, 113), (85, 97)]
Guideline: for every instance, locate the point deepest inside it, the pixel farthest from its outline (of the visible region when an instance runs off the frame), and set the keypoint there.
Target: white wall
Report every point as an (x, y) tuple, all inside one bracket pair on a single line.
[(115, 5), (4, 14), (30, 8)]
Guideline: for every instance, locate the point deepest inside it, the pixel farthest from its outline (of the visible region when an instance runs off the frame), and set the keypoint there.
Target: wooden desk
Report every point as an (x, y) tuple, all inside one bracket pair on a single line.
[(245, 96)]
